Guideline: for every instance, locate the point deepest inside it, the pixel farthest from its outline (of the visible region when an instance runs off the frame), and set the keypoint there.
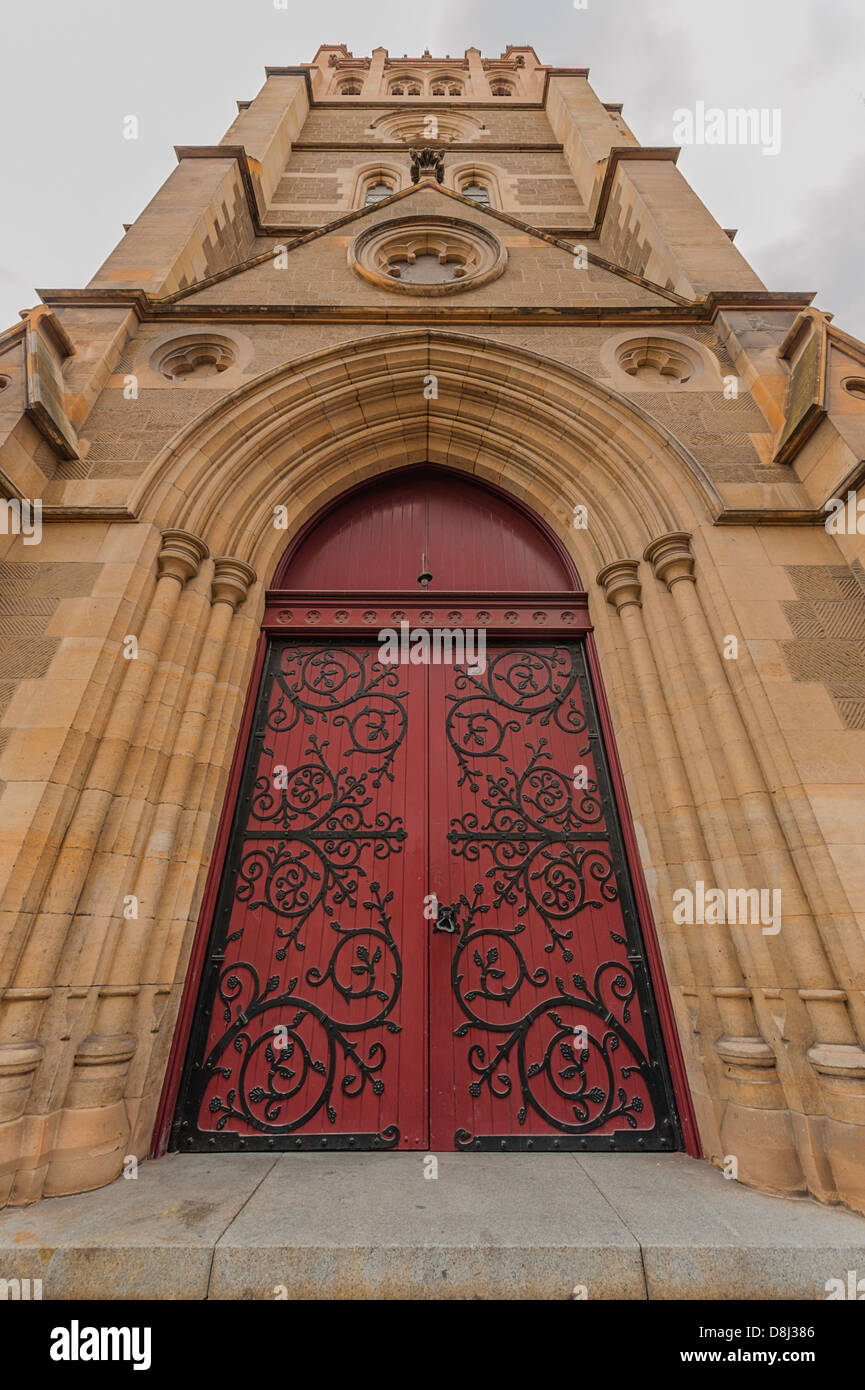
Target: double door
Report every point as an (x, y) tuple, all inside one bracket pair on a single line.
[(426, 936)]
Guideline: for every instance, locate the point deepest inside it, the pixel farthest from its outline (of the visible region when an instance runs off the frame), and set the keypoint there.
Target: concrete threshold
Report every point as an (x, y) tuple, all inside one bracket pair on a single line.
[(371, 1226)]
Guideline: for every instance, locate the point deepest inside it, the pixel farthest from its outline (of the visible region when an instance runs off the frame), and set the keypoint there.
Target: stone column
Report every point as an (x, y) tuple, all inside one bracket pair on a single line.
[(749, 1076), (835, 1051), (95, 1127), (33, 979)]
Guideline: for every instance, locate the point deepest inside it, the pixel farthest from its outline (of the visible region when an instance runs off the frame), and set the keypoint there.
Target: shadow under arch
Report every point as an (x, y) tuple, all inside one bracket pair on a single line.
[(299, 435)]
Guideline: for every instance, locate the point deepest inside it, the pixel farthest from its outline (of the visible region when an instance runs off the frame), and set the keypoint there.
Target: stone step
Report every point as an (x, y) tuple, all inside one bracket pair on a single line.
[(371, 1226)]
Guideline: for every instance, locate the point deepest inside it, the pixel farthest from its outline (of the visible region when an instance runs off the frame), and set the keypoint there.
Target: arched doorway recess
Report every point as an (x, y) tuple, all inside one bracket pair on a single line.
[(428, 927)]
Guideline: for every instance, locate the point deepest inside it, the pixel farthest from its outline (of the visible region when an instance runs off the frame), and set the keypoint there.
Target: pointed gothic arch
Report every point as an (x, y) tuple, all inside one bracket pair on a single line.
[(293, 436), (491, 550)]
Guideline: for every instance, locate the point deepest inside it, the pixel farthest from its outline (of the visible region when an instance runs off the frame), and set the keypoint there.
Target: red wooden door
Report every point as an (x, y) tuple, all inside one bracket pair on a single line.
[(331, 1011), (310, 1029), (543, 1030)]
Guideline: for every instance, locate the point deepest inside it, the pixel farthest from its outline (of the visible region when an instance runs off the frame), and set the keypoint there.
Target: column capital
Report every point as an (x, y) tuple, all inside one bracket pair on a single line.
[(620, 583), (231, 580), (180, 556), (671, 558)]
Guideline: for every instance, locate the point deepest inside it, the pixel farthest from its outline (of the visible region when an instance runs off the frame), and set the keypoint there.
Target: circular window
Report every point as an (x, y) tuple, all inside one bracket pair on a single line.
[(194, 357), (427, 256), (660, 361), (855, 386), (4, 382)]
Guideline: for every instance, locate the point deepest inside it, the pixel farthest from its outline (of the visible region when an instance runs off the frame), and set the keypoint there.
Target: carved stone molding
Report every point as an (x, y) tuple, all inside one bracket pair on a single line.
[(181, 555), (620, 583), (671, 558), (745, 1052), (427, 163), (838, 1059), (231, 580)]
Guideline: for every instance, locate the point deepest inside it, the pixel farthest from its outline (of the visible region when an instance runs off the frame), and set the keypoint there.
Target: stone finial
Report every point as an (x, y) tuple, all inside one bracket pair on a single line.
[(620, 583), (427, 163), (231, 580), (671, 558), (181, 555)]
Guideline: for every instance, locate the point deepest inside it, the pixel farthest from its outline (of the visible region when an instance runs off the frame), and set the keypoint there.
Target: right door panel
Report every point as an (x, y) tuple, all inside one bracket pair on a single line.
[(543, 1029)]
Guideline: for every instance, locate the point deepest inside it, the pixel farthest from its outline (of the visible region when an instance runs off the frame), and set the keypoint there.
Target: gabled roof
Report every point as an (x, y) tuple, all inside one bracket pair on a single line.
[(422, 197)]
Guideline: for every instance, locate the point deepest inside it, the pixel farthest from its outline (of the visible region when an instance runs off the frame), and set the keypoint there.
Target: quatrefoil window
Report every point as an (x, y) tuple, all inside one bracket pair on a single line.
[(427, 256)]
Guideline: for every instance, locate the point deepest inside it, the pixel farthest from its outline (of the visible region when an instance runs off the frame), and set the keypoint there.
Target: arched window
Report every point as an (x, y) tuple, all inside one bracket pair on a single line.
[(376, 190), (476, 190), (351, 89), (446, 87), (502, 89), (413, 91), (397, 91)]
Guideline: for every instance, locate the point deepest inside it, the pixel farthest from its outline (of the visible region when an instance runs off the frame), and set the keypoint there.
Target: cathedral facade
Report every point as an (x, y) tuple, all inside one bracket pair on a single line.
[(432, 697)]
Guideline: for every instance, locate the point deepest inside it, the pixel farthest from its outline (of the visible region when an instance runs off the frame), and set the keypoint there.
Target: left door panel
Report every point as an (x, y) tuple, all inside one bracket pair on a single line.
[(309, 1029)]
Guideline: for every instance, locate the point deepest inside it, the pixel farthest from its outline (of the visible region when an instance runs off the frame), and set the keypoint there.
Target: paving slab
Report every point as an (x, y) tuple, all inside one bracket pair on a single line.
[(371, 1226), (703, 1236), (345, 1226), (151, 1237)]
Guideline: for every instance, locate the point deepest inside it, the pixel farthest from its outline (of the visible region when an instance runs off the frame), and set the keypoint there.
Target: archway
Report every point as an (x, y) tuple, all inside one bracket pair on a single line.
[(429, 927)]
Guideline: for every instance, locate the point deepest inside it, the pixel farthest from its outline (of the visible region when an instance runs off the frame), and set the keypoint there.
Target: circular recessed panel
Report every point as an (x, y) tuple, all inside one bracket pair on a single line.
[(855, 386), (419, 127), (661, 361), (194, 356), (430, 256)]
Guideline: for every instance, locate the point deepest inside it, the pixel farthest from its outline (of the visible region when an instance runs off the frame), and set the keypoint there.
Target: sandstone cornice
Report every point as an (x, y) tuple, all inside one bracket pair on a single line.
[(620, 583)]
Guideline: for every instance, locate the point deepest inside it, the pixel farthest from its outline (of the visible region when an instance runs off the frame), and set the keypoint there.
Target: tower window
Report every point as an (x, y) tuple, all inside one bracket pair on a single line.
[(477, 192), (350, 91), (499, 89), (377, 191)]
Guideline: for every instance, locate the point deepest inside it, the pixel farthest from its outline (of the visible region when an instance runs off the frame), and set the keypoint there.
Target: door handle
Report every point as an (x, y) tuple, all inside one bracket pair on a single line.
[(446, 919)]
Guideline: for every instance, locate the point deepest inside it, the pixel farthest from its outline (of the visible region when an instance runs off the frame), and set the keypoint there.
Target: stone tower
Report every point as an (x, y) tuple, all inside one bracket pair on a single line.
[(474, 263)]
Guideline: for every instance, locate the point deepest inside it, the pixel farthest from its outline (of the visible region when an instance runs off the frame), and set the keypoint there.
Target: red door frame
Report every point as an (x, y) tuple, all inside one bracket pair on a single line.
[(341, 616)]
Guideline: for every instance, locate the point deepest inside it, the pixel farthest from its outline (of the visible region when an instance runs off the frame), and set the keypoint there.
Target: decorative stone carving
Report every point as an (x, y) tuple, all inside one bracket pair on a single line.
[(231, 580), (661, 361), (427, 163), (427, 256), (181, 555), (194, 355), (620, 583), (670, 557)]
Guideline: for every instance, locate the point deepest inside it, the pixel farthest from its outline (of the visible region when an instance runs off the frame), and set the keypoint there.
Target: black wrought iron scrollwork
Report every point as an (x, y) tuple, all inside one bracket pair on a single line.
[(308, 830), (585, 1077), (545, 837), (297, 1049), (346, 688), (518, 690), (307, 837), (558, 1044)]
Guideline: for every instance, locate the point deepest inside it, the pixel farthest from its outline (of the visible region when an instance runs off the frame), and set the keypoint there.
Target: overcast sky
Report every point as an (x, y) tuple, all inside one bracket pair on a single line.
[(72, 70)]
